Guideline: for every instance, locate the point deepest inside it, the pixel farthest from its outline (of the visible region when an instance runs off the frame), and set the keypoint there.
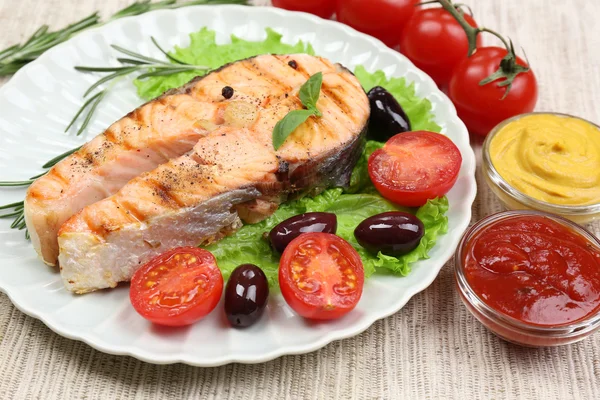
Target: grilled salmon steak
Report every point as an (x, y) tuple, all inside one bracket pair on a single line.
[(232, 175), (156, 132)]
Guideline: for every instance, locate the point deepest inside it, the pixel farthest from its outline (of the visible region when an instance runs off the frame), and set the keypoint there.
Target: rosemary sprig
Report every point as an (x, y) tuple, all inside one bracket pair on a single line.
[(140, 7), (17, 214), (93, 101), (58, 158), (16, 56), (140, 63), (145, 66), (17, 205), (16, 183), (16, 211), (28, 182)]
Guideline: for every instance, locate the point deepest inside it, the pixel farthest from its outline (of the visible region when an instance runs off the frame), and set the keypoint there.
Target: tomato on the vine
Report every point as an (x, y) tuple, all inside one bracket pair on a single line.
[(435, 42), (321, 276), (322, 8), (414, 167), (383, 19), (482, 107), (178, 287)]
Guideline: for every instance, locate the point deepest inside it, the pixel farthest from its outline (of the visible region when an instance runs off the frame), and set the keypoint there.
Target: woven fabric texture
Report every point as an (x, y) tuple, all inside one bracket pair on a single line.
[(431, 349)]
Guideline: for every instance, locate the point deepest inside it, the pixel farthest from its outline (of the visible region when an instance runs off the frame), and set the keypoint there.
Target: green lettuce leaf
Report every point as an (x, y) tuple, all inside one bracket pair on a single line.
[(249, 244), (352, 206), (204, 50), (351, 210), (433, 216), (360, 180)]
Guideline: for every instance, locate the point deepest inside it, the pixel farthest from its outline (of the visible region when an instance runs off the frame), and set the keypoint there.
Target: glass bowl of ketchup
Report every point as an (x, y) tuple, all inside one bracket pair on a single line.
[(532, 278)]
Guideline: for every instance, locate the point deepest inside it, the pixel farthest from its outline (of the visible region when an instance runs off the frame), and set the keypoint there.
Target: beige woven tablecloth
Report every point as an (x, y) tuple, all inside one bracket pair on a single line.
[(432, 348)]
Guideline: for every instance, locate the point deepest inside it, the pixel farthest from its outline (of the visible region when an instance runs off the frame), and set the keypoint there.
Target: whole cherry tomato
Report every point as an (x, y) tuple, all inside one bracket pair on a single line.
[(322, 8), (383, 19), (435, 42), (482, 107)]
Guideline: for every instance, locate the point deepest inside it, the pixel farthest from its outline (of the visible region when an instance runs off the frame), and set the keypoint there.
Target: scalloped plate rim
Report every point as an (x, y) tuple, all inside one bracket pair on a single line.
[(142, 354)]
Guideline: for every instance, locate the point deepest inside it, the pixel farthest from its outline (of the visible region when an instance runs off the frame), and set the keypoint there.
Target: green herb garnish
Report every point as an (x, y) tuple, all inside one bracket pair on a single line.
[(17, 56), (135, 63), (309, 95), (204, 50), (352, 206)]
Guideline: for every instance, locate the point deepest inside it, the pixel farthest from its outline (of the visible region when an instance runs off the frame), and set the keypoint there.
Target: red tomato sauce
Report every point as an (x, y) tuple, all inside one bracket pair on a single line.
[(535, 270)]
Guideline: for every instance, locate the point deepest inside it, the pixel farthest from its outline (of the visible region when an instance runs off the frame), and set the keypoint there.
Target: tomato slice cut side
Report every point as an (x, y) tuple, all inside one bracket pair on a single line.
[(321, 276), (178, 287), (414, 167)]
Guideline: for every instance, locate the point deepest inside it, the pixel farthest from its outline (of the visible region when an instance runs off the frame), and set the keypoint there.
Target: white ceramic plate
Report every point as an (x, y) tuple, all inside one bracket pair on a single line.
[(39, 101)]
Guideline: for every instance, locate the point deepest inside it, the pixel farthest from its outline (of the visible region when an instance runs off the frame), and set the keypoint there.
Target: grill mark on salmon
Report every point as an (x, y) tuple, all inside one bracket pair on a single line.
[(111, 137), (127, 214), (137, 116), (145, 138), (232, 173), (267, 75), (163, 192), (331, 94), (163, 101), (132, 212), (56, 175)]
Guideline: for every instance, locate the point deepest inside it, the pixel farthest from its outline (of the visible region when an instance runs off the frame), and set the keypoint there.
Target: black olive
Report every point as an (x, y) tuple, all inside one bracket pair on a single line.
[(393, 233), (246, 295), (293, 64), (387, 116), (227, 92), (291, 228)]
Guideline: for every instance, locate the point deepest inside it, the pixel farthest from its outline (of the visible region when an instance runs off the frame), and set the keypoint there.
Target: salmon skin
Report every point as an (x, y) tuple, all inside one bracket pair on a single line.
[(232, 175), (156, 132)]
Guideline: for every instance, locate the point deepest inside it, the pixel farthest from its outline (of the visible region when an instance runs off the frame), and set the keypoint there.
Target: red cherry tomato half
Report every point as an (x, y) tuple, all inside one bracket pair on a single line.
[(321, 276), (435, 42), (481, 107), (178, 287), (413, 167), (322, 8), (383, 19)]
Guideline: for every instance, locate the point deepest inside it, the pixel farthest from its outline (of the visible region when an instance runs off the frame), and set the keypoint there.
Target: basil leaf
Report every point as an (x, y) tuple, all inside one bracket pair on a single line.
[(309, 95), (311, 90), (288, 124)]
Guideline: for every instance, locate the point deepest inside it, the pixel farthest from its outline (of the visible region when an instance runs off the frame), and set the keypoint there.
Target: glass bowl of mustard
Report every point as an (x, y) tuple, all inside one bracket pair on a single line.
[(545, 161)]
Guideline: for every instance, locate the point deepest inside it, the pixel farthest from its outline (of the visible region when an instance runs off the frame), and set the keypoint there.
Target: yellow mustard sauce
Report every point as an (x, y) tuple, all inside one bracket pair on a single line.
[(555, 159)]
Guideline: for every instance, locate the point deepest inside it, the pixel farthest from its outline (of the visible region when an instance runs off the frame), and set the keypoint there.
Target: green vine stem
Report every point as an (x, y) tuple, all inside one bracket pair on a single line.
[(462, 7), (508, 69)]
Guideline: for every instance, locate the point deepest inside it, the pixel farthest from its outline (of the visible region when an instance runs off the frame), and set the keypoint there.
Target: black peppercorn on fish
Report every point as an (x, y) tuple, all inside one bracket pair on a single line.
[(232, 173)]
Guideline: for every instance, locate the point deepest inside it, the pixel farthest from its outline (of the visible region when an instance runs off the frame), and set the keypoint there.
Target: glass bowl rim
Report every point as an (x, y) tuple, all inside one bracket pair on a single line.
[(577, 328), (516, 194)]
